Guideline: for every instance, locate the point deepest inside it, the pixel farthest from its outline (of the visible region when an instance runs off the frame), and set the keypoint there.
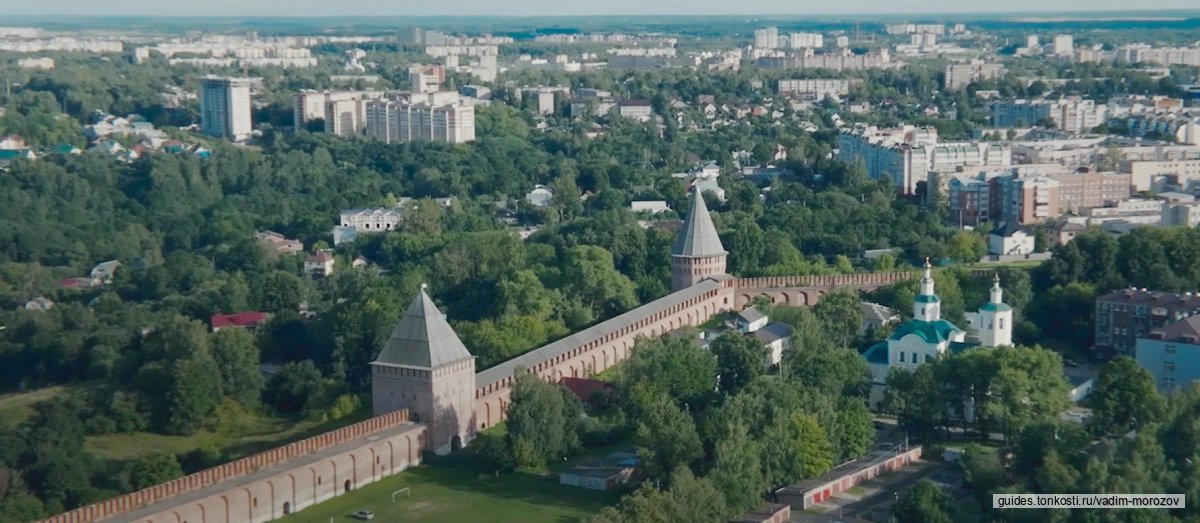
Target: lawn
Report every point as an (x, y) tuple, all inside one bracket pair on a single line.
[(18, 407), (240, 434), (453, 494)]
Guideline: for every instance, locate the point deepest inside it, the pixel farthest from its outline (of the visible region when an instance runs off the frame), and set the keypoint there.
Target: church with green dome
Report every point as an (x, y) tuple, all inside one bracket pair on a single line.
[(927, 335)]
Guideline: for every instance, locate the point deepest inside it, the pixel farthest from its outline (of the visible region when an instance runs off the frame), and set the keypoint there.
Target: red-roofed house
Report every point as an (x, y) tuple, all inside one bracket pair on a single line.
[(588, 391), (242, 320)]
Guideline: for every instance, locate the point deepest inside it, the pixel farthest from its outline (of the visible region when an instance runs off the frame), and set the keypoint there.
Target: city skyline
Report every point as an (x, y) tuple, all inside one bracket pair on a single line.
[(305, 8)]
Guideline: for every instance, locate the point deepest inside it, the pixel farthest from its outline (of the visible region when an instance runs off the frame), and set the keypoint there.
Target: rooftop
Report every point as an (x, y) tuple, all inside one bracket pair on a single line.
[(751, 315), (1186, 330), (774, 332), (1135, 296), (563, 345), (422, 339), (698, 237), (240, 319), (930, 331)]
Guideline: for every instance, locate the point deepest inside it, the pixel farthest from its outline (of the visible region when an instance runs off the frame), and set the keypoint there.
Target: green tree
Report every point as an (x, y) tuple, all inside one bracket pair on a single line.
[(153, 470), (543, 422), (589, 275), (1124, 398), (737, 471), (665, 435), (296, 387), (924, 503), (740, 359), (678, 367), (840, 312), (236, 356), (194, 394), (966, 247)]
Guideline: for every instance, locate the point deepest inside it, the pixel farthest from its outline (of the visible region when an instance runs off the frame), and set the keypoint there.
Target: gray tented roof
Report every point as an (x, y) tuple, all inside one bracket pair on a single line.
[(423, 338), (698, 237)]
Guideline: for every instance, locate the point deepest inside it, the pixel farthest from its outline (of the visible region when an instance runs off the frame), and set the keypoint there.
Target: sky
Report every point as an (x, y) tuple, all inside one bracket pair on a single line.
[(559, 7)]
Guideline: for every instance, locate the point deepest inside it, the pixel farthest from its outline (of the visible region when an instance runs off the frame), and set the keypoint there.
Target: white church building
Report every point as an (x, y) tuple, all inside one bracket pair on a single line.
[(927, 336)]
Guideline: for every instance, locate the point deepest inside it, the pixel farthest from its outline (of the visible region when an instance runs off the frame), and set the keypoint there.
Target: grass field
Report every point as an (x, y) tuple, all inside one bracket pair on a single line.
[(18, 407), (458, 494), (240, 434)]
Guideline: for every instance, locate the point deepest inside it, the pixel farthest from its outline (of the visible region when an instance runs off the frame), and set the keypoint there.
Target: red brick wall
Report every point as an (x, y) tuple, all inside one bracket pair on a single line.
[(234, 469)]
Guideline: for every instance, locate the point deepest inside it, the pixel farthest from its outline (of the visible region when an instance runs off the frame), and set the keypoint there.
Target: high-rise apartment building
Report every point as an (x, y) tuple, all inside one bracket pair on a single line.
[(959, 75), (225, 107), (766, 38), (1064, 45), (806, 40), (906, 155), (398, 121), (1071, 114), (426, 78)]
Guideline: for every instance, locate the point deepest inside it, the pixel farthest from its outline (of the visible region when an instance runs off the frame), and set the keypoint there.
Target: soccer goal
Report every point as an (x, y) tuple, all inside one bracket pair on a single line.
[(407, 493)]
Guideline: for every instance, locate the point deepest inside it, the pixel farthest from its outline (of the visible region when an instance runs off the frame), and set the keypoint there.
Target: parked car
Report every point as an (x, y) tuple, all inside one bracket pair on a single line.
[(365, 515), (1070, 363)]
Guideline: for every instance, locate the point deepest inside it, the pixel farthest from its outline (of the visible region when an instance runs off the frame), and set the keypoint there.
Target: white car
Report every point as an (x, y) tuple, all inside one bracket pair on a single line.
[(365, 515)]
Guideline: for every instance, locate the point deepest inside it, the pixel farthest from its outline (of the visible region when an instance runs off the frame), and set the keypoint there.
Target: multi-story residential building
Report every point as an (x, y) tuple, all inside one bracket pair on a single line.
[(766, 38), (1064, 45), (1028, 196), (1025, 199), (635, 109), (968, 199), (842, 60), (1125, 315), (400, 121), (225, 107), (815, 88), (907, 29), (346, 118), (907, 155), (371, 220), (1161, 175), (1072, 114), (959, 75), (426, 78), (1144, 53), (1171, 354), (1086, 190), (310, 105), (806, 40)]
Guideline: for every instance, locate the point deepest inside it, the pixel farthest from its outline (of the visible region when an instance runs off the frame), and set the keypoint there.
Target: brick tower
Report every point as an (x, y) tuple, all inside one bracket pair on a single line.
[(425, 368), (697, 253)]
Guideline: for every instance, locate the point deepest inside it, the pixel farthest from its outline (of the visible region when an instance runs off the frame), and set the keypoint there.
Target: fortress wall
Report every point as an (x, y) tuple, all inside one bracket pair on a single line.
[(238, 503)]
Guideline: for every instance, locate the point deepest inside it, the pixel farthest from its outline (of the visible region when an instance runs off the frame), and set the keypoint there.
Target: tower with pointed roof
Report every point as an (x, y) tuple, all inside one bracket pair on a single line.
[(927, 306), (994, 322), (697, 253), (426, 369)]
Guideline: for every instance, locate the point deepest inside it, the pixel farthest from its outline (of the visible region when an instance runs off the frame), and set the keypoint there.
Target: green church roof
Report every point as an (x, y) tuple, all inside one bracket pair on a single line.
[(877, 353), (932, 298), (995, 307), (930, 331)]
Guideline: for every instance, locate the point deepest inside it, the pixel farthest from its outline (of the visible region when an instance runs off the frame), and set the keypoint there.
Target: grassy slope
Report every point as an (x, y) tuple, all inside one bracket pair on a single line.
[(18, 407)]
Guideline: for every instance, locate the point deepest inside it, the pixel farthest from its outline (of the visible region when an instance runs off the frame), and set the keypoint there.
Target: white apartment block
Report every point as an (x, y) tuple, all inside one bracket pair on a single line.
[(806, 40), (371, 220), (1064, 45), (225, 107), (343, 109), (397, 121), (766, 38), (959, 75), (36, 63), (907, 29), (815, 88), (1073, 114), (1160, 175), (905, 156), (1144, 53)]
